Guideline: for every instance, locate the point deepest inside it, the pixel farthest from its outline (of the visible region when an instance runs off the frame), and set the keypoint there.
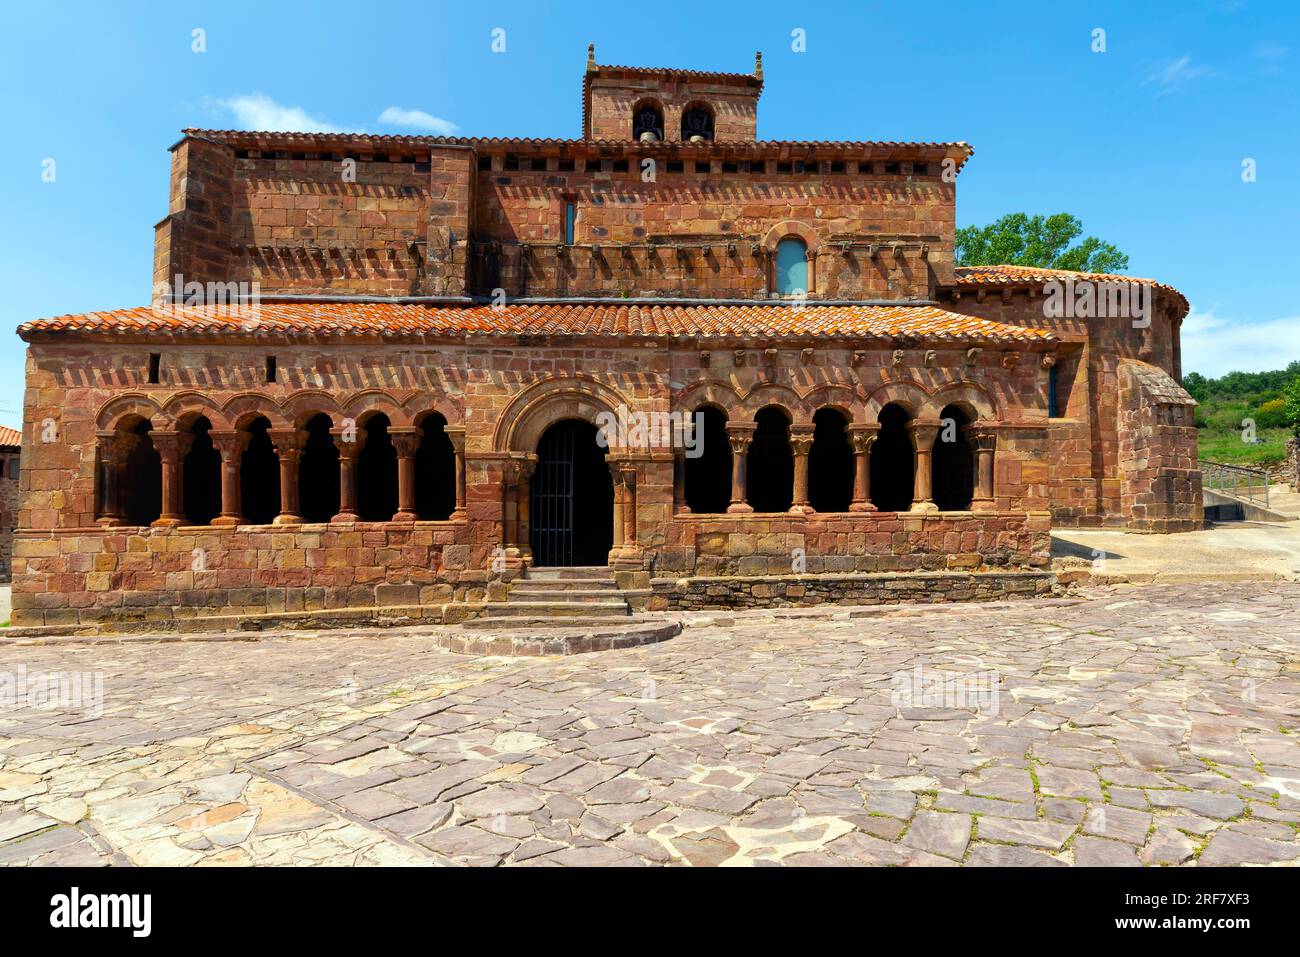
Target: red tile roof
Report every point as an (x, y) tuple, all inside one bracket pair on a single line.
[(1019, 275), (10, 437), (400, 319)]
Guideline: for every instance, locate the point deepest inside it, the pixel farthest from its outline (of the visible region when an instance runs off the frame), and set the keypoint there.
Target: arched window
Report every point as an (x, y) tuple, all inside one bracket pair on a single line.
[(708, 465), (377, 473), (953, 462), (318, 472), (435, 471), (892, 462), (792, 267), (770, 471), (141, 482), (259, 476), (201, 476), (648, 122), (830, 463), (697, 124)]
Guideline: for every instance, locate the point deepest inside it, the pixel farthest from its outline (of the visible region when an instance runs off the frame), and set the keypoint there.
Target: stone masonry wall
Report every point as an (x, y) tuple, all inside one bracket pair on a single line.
[(1157, 451)]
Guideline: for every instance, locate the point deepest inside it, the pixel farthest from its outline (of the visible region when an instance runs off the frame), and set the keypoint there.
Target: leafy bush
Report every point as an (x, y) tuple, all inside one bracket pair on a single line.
[(1272, 415)]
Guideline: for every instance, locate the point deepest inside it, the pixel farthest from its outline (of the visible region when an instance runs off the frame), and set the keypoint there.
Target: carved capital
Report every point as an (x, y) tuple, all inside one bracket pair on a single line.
[(349, 441), (288, 443), (406, 440), (171, 446), (801, 442), (739, 435), (862, 437), (229, 442)]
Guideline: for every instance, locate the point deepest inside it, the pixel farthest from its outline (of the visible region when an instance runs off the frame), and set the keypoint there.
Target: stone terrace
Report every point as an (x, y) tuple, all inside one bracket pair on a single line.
[(1153, 725)]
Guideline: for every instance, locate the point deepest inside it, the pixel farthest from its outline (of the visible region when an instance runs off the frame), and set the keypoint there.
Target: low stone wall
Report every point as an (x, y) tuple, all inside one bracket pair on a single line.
[(124, 575), (692, 594)]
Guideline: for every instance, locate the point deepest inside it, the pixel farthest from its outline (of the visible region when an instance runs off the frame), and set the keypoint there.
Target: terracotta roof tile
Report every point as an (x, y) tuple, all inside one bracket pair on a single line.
[(10, 437), (1009, 275), (400, 319)]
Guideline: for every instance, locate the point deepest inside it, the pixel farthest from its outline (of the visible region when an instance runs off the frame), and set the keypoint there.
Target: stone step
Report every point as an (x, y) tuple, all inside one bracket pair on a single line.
[(555, 609), (563, 584), (577, 571), (582, 596)]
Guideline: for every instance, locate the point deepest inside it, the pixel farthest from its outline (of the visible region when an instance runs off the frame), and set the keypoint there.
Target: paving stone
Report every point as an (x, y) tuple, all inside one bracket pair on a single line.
[(1228, 846), (939, 833), (1099, 852), (1045, 834), (1119, 823), (1206, 803)]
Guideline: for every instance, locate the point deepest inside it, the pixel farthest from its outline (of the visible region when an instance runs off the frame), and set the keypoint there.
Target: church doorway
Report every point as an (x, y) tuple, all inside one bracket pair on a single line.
[(571, 513)]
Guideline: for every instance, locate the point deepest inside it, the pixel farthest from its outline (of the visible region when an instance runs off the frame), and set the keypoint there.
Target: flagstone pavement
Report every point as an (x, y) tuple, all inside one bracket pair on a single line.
[(1154, 725)]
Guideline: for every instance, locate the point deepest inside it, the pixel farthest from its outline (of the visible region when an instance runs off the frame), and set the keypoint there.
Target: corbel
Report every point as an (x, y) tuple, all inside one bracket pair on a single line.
[(738, 357), (770, 356), (808, 356), (705, 358), (859, 357)]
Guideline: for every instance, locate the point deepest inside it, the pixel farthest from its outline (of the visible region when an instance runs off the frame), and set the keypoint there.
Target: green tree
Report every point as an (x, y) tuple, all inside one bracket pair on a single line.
[(1020, 240), (1291, 411)]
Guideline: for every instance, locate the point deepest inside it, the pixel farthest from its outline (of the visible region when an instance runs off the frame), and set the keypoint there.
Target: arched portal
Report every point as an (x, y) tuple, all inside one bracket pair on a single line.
[(259, 475), (318, 472), (141, 483), (377, 472), (571, 511), (201, 472), (953, 462), (830, 463), (892, 462), (708, 465), (770, 471)]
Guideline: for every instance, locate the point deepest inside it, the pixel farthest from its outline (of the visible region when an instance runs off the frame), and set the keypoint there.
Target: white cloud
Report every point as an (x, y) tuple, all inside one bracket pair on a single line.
[(257, 111), (417, 119), (1175, 74), (1213, 346)]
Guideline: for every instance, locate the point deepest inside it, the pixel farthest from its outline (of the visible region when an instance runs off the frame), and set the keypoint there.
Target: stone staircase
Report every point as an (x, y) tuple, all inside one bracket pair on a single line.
[(578, 592)]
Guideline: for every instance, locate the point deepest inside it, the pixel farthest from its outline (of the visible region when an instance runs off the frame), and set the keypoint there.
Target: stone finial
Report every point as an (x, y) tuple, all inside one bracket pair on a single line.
[(591, 57), (758, 64)]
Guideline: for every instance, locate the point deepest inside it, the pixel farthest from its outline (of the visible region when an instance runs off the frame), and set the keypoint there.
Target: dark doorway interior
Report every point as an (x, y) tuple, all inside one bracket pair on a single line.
[(318, 472), (892, 462), (435, 471), (259, 476), (770, 471), (141, 483), (830, 463), (201, 485), (953, 469), (708, 475), (571, 515)]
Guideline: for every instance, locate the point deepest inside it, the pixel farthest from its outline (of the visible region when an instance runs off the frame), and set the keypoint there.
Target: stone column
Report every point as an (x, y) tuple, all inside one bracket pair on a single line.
[(231, 444), (524, 508), (629, 509), (114, 449), (739, 435), (984, 441), (801, 444), (288, 448), (923, 434), (679, 483), (171, 447), (350, 442), (406, 441), (457, 437), (862, 438), (616, 474)]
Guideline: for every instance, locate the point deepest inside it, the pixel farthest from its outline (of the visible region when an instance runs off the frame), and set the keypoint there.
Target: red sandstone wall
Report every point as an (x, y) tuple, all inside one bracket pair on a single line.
[(734, 108)]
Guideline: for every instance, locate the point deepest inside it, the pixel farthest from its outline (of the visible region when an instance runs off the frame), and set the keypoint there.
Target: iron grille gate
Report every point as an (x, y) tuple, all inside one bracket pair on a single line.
[(552, 503)]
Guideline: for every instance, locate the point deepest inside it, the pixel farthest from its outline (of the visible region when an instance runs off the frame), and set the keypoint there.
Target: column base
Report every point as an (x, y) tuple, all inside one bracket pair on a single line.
[(227, 521), (801, 509), (167, 521), (459, 515), (625, 559), (110, 521), (739, 508), (862, 507), (345, 518), (983, 505), (923, 507), (683, 509), (405, 517), (287, 518)]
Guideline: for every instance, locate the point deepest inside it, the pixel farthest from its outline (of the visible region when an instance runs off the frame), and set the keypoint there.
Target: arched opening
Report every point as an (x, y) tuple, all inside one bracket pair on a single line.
[(697, 124), (571, 508), (435, 471), (770, 470), (892, 462), (952, 473), (259, 475), (141, 482), (201, 476), (792, 267), (648, 122), (830, 463), (377, 472), (318, 472), (708, 466)]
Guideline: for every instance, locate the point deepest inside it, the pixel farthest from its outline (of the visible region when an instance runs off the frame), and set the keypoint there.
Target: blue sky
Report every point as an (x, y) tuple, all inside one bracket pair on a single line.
[(1144, 142)]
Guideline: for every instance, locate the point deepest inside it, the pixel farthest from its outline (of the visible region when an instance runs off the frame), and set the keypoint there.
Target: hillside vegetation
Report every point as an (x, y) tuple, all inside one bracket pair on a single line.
[(1271, 400)]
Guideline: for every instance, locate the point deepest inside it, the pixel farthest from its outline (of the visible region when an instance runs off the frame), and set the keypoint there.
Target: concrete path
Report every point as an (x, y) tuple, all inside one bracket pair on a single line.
[(1232, 551), (1136, 725)]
